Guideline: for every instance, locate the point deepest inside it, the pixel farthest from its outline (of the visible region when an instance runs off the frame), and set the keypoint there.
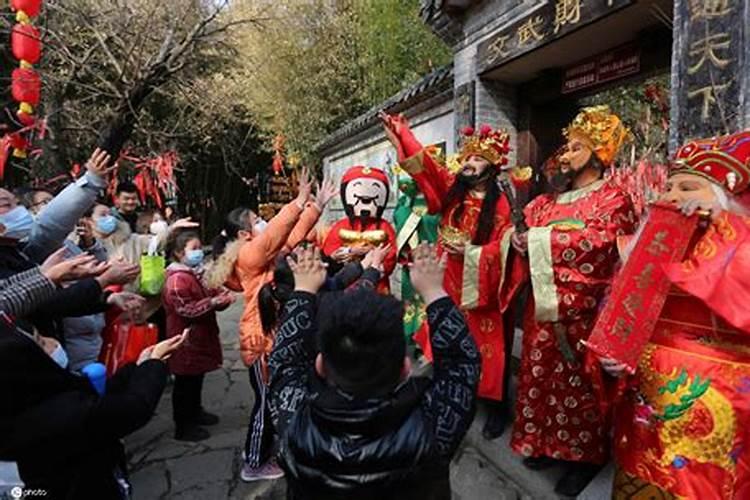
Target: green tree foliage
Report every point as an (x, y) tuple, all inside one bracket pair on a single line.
[(317, 63)]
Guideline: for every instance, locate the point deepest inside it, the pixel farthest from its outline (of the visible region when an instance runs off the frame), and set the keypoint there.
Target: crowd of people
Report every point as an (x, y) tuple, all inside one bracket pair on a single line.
[(337, 409)]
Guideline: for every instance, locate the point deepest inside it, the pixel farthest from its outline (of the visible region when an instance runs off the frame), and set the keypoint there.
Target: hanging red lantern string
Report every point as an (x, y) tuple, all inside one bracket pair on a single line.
[(26, 85)]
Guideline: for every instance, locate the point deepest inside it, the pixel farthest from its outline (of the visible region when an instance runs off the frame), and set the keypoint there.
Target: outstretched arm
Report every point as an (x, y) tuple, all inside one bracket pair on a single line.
[(450, 400), (433, 179), (293, 354)]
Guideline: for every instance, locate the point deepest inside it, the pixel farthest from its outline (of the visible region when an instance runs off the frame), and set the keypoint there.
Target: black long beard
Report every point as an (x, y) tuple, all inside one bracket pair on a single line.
[(472, 181), (562, 181)]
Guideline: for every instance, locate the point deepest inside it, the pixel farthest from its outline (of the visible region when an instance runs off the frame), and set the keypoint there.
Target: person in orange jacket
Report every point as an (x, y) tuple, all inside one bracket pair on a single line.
[(247, 264)]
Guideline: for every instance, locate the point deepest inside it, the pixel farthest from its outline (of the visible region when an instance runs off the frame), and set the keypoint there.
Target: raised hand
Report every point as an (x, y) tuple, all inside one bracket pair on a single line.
[(326, 192), (304, 187), (309, 270), (120, 272), (127, 302), (99, 162), (186, 223), (427, 271), (376, 257), (163, 350), (58, 270), (706, 209)]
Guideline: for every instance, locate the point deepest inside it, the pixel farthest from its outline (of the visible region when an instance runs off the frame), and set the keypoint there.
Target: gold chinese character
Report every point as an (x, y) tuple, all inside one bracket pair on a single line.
[(706, 49), (529, 31), (646, 277), (632, 303), (623, 329), (497, 49), (567, 12), (657, 247), (709, 94), (710, 8)]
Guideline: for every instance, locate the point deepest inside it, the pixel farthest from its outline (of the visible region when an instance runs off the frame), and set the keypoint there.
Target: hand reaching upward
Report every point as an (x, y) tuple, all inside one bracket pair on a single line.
[(304, 187), (309, 270), (427, 273), (325, 193)]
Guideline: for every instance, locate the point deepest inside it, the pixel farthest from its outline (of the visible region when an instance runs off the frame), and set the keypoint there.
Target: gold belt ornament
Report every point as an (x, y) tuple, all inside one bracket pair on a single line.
[(453, 236), (363, 238)]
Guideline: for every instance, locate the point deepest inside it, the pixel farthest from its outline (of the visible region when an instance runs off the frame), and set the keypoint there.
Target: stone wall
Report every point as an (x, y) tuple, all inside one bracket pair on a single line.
[(432, 126)]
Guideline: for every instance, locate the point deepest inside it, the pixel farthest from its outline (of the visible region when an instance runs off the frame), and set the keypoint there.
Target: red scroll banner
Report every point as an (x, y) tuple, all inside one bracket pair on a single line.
[(625, 325)]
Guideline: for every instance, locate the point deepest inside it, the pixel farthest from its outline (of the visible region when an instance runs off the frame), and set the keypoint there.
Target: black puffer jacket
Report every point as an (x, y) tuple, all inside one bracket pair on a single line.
[(335, 446)]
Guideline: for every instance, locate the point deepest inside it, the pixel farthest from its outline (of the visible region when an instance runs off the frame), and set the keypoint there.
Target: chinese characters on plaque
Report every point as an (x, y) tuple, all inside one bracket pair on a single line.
[(543, 25), (710, 41)]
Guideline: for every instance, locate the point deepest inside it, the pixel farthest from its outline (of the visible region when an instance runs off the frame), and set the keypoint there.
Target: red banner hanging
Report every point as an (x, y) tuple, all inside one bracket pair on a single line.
[(638, 293)]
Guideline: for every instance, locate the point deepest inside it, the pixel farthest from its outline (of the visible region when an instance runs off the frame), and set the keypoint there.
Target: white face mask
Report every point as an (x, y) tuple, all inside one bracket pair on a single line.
[(59, 356), (158, 227), (260, 226)]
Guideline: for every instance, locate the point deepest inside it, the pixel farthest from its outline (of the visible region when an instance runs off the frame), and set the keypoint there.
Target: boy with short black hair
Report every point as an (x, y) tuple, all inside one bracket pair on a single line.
[(351, 422)]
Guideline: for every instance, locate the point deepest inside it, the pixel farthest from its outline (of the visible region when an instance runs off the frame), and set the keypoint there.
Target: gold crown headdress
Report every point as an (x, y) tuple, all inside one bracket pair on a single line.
[(492, 145), (601, 130)]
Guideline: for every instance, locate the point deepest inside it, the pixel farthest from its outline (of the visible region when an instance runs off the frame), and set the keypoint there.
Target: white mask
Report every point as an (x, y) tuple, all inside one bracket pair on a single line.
[(60, 357), (158, 227), (260, 226)]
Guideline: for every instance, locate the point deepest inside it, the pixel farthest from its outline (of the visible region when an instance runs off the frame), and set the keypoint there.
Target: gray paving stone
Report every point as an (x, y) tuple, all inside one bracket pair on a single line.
[(173, 449), (196, 470), (213, 491), (262, 490), (150, 482)]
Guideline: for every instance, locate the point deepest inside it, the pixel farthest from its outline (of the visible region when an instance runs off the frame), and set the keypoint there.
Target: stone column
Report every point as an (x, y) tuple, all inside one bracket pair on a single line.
[(710, 72)]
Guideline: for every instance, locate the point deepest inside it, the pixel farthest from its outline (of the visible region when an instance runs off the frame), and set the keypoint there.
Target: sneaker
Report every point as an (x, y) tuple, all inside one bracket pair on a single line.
[(191, 433), (205, 418), (269, 470)]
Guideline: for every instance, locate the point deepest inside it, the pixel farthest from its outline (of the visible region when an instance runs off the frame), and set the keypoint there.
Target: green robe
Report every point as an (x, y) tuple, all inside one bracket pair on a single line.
[(413, 226)]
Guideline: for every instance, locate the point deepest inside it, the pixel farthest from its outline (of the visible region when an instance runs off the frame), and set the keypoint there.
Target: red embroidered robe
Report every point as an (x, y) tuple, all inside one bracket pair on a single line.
[(334, 241), (472, 280), (682, 429), (572, 256)]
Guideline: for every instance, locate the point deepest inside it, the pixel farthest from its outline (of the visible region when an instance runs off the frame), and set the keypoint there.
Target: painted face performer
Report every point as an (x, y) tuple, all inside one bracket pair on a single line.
[(474, 215), (364, 194), (570, 253), (681, 426)]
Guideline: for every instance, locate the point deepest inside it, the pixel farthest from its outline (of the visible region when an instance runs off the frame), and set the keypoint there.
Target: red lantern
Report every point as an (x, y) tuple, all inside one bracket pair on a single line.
[(26, 43), (27, 86), (30, 7)]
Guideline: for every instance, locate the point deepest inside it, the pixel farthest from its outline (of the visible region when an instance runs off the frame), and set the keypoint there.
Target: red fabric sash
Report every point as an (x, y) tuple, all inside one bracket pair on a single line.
[(640, 289)]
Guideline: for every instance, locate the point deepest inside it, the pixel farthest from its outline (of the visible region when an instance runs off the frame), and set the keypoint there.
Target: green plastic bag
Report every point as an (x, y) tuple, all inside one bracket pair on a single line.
[(153, 272)]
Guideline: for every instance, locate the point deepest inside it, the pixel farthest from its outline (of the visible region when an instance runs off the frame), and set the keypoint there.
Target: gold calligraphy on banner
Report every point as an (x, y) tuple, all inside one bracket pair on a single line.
[(708, 52), (706, 49), (567, 12), (497, 50), (529, 31), (709, 8)]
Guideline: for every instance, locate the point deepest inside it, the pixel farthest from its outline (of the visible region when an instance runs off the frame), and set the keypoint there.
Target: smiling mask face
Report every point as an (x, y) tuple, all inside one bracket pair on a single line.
[(365, 197)]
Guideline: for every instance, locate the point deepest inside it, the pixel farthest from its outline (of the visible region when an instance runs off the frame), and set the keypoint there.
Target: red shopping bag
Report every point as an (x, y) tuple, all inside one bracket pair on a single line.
[(125, 342)]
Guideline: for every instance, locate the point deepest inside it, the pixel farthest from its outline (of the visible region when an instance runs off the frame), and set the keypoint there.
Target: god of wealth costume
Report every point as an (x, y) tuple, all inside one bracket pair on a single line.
[(413, 226), (572, 255), (364, 194), (682, 428), (473, 279)]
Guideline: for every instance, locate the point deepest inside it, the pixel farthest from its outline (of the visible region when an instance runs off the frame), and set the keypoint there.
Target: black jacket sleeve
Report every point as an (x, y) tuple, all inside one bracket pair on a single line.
[(79, 299), (292, 358), (449, 403)]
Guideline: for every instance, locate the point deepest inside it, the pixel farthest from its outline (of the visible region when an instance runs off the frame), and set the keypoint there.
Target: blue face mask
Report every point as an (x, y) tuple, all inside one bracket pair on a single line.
[(194, 258), (60, 357), (18, 223), (106, 224)]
